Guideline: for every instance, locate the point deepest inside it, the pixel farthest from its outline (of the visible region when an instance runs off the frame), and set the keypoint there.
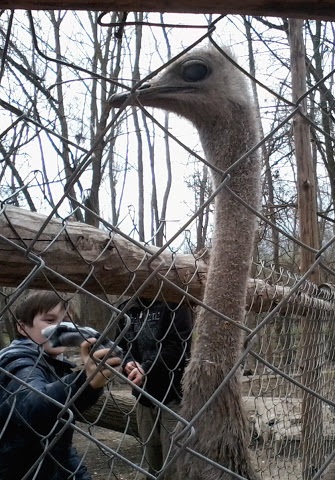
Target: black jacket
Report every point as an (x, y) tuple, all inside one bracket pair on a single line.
[(159, 338), (28, 419)]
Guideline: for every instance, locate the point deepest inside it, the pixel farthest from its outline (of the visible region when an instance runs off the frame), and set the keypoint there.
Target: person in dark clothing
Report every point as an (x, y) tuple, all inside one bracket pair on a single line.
[(35, 383), (157, 346)]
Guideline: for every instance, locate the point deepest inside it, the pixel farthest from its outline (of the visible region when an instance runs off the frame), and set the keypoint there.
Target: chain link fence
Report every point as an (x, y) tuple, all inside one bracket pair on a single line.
[(288, 365)]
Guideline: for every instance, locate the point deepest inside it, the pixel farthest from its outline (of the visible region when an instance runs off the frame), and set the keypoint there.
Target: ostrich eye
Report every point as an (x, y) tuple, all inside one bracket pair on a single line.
[(194, 70)]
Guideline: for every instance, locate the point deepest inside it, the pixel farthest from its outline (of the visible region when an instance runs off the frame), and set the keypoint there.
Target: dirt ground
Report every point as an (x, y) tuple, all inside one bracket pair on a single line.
[(101, 464), (101, 454)]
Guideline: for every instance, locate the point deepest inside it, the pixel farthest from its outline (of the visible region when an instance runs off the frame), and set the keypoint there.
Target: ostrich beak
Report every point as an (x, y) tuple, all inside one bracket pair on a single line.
[(118, 99), (146, 93)]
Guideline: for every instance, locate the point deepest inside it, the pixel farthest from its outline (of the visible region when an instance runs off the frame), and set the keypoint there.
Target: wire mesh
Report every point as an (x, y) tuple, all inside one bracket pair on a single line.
[(289, 320)]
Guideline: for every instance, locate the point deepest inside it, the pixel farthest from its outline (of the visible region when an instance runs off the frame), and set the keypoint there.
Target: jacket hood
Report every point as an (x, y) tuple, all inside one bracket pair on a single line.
[(25, 347), (19, 345)]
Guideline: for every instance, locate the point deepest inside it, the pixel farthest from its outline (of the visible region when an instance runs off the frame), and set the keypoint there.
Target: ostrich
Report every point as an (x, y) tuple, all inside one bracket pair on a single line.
[(206, 89)]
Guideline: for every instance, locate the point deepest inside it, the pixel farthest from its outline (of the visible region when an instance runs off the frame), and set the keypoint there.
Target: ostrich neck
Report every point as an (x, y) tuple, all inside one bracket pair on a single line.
[(224, 142), (218, 343)]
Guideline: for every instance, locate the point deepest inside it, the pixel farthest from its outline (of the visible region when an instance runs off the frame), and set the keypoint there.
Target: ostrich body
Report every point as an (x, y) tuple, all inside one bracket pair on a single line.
[(205, 88)]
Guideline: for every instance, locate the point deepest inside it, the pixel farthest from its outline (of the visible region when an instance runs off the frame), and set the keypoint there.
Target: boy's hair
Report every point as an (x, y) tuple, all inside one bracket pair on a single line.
[(35, 304)]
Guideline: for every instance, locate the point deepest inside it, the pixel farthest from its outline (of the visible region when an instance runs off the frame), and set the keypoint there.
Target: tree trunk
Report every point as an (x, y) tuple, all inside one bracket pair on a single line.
[(115, 412), (312, 341)]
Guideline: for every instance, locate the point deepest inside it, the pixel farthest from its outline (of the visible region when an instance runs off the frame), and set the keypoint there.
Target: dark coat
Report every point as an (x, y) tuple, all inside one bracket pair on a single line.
[(28, 417), (159, 338)]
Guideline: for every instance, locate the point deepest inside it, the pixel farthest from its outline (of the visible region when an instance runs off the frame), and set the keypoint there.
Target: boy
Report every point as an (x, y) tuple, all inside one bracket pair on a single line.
[(34, 438), (158, 344)]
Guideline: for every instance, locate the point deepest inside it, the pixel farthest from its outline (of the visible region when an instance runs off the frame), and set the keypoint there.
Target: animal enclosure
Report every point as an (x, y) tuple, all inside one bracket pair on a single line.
[(286, 362)]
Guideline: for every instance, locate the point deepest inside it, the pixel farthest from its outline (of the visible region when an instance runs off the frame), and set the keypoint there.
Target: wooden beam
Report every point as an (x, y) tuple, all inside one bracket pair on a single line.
[(71, 254), (42, 253), (324, 10)]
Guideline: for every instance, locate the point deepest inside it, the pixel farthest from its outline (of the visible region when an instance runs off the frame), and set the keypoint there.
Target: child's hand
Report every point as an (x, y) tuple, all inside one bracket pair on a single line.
[(135, 373), (101, 376), (130, 366)]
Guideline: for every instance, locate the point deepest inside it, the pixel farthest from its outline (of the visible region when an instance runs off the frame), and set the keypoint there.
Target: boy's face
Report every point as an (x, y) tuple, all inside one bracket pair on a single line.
[(42, 320)]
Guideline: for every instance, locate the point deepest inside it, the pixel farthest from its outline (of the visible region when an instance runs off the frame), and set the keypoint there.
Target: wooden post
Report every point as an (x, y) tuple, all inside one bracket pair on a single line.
[(312, 431)]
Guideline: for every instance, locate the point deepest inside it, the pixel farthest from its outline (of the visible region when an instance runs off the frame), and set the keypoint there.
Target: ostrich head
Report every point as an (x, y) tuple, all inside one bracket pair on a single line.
[(200, 86)]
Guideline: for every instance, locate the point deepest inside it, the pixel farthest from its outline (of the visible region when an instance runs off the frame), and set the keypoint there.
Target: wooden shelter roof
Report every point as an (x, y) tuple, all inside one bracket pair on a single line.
[(314, 9)]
